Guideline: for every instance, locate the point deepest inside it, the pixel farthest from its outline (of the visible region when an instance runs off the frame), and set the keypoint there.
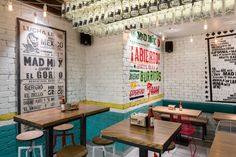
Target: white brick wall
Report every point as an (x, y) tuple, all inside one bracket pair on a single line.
[(104, 65), (8, 76), (184, 69)]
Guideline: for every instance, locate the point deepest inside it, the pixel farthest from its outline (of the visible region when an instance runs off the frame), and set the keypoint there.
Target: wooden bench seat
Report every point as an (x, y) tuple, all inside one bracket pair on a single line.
[(200, 121)]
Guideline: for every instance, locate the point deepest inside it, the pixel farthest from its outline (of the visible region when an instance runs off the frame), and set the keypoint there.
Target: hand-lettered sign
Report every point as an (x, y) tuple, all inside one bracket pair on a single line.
[(42, 65)]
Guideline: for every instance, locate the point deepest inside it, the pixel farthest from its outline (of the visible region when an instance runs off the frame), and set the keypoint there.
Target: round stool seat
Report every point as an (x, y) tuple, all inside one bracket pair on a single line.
[(63, 127), (102, 141), (73, 151), (29, 135), (171, 146)]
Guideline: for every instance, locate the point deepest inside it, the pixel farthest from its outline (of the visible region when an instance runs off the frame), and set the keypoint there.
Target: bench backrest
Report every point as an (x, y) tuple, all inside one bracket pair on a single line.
[(204, 106)]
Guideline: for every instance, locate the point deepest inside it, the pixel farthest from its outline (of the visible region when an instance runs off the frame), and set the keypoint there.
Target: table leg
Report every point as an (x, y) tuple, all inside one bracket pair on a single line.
[(49, 142), (83, 131), (143, 152)]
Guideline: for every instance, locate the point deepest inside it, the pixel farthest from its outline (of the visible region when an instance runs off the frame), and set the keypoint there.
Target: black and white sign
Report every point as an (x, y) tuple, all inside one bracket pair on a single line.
[(222, 57), (42, 65)]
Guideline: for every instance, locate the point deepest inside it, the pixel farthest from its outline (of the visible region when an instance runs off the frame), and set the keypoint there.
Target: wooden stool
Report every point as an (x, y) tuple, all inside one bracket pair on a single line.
[(30, 136), (63, 128), (73, 151), (169, 148), (102, 143)]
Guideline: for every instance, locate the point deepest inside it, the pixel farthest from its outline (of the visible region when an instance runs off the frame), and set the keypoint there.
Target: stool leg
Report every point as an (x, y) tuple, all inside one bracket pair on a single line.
[(72, 138), (113, 153), (41, 151), (19, 151), (26, 153), (93, 152), (54, 140), (64, 139), (33, 148), (104, 151)]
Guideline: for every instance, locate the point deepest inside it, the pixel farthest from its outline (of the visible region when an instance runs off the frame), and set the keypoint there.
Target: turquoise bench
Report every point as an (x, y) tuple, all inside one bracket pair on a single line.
[(204, 106)]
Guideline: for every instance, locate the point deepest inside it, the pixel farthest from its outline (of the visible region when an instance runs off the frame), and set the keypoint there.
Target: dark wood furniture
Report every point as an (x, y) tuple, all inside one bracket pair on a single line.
[(156, 139), (184, 112), (224, 116), (223, 145), (73, 151), (49, 118)]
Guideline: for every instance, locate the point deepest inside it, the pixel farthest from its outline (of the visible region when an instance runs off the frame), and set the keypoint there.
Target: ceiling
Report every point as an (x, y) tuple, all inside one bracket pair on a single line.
[(193, 28), (54, 6)]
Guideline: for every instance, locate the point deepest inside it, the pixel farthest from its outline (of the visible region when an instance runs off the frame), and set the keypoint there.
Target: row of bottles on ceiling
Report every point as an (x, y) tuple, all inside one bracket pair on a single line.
[(87, 13)]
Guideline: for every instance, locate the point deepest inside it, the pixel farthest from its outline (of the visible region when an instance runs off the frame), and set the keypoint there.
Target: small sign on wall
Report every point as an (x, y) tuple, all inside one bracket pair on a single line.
[(222, 68), (41, 65)]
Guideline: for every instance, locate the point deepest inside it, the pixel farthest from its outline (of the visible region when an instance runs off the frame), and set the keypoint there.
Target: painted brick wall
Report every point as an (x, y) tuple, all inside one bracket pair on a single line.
[(104, 75), (184, 69), (8, 70)]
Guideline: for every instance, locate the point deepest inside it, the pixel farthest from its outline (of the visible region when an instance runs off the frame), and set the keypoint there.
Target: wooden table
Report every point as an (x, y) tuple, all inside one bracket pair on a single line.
[(156, 139), (224, 116), (184, 112), (224, 145), (48, 118)]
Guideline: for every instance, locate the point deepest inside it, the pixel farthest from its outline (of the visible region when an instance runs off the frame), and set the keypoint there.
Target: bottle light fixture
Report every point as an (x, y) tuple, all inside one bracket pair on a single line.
[(44, 10), (10, 6), (35, 18)]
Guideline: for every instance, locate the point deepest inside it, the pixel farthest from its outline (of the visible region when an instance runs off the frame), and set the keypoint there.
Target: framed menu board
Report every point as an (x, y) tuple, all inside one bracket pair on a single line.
[(222, 68), (41, 66)]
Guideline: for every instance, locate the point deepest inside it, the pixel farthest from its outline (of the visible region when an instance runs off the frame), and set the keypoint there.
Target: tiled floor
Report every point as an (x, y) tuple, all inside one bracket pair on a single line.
[(180, 151)]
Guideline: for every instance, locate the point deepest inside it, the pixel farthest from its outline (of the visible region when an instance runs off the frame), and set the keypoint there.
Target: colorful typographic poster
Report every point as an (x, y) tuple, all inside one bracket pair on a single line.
[(222, 68), (144, 59), (42, 65)]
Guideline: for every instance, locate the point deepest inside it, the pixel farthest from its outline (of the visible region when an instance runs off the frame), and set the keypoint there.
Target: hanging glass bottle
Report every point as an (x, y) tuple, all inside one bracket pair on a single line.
[(134, 5), (186, 1), (73, 5), (143, 6), (163, 4), (63, 9), (86, 2), (79, 4), (118, 10), (206, 8), (178, 14), (103, 16), (126, 8), (153, 6), (91, 15), (111, 11), (174, 3), (197, 10), (169, 16), (187, 12), (229, 6), (161, 17), (75, 22), (97, 13), (217, 7)]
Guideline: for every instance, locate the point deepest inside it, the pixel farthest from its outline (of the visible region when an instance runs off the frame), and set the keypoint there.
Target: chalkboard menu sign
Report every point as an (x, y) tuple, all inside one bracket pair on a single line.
[(42, 65), (222, 68)]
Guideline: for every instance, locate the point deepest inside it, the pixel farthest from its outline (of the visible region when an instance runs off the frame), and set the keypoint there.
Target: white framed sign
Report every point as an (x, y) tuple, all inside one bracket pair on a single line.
[(222, 68), (41, 66)]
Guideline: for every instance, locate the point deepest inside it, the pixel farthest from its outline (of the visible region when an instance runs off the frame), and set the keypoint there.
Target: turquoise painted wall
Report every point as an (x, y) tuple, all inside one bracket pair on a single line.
[(96, 123)]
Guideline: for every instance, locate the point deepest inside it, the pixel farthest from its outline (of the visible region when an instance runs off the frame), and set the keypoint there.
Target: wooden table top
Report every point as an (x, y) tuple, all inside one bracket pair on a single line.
[(157, 138), (184, 112), (53, 116), (223, 145), (224, 116)]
